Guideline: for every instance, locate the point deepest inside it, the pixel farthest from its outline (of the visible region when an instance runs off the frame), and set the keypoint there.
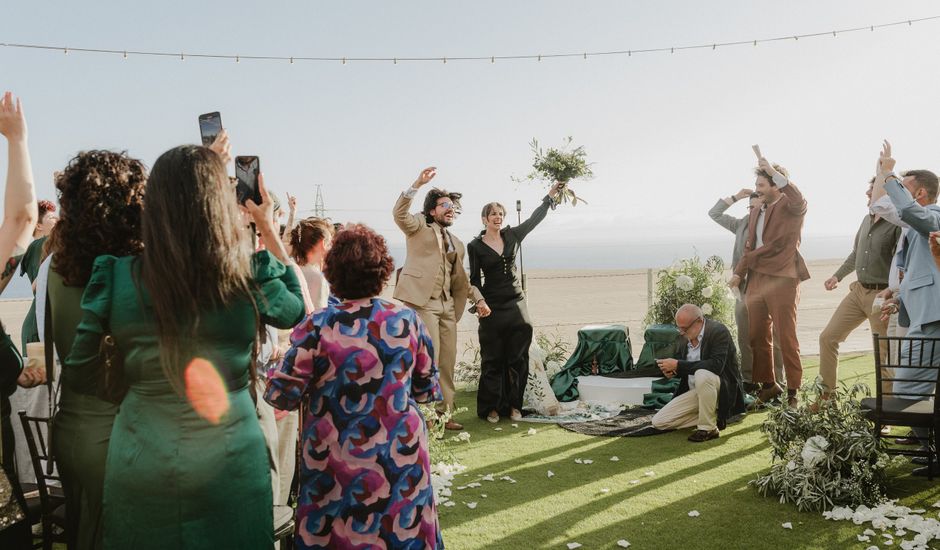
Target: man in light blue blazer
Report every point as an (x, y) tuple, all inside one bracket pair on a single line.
[(915, 196)]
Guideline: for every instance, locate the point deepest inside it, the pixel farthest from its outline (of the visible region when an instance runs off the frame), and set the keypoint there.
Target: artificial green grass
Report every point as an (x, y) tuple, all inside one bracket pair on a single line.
[(710, 477)]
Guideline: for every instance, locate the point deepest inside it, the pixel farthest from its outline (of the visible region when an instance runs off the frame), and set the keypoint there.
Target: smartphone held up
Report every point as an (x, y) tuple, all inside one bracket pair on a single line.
[(247, 169), (210, 125)]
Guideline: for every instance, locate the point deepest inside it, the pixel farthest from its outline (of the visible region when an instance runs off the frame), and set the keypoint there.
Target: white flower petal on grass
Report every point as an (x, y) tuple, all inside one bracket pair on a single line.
[(474, 484), (863, 538), (649, 474), (869, 532), (787, 525), (634, 481), (573, 545), (532, 431), (450, 503), (707, 309), (514, 425), (471, 505), (615, 459), (464, 436), (461, 488), (588, 461), (872, 547), (605, 490), (578, 461), (623, 543), (936, 504), (694, 514), (551, 473), (482, 496), (487, 477), (497, 429)]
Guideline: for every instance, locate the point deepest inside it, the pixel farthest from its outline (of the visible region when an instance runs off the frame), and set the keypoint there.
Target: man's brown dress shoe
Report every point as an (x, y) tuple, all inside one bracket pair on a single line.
[(453, 425), (767, 395), (699, 436)]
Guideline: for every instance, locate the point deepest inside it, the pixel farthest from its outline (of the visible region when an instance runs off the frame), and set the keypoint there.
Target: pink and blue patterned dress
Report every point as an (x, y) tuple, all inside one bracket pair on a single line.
[(360, 367)]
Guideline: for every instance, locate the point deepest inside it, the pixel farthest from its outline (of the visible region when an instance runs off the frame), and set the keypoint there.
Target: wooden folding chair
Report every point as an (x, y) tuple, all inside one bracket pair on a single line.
[(51, 498), (902, 406)]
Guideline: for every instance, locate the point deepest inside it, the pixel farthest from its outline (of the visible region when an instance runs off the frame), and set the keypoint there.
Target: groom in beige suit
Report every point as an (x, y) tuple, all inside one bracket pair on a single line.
[(433, 280)]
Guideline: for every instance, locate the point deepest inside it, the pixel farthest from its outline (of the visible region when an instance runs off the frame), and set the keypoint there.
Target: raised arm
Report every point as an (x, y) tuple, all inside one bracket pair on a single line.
[(407, 222), (717, 212), (538, 214), (20, 211), (917, 216)]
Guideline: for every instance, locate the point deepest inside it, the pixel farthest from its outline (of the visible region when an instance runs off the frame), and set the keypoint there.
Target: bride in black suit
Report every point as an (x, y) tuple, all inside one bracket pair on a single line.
[(506, 333)]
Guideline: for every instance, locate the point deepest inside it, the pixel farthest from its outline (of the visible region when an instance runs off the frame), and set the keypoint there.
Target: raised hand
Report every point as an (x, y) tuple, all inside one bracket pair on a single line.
[(262, 214), (885, 161), (743, 193), (291, 203), (425, 176), (766, 166), (222, 147), (12, 119), (553, 192)]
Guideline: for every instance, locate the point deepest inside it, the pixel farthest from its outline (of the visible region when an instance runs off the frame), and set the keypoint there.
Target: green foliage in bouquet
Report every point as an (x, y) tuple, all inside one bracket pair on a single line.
[(690, 281), (562, 165), (438, 448), (827, 458)]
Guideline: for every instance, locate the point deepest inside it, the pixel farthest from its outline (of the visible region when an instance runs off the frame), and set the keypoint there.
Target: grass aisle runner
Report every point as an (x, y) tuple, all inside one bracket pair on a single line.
[(645, 497)]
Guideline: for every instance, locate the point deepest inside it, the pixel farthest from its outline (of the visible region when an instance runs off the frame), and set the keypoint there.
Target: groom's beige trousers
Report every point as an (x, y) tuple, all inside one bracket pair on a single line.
[(696, 407)]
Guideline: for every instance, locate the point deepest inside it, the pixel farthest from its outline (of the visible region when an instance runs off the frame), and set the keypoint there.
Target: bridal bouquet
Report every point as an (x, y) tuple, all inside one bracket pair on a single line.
[(561, 165)]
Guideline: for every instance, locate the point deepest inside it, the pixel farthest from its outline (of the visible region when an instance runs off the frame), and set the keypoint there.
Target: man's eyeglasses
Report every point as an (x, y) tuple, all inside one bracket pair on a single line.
[(446, 205), (683, 330)]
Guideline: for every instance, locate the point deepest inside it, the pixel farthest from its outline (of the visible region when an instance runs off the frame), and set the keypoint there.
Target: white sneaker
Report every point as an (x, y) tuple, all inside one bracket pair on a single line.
[(515, 415)]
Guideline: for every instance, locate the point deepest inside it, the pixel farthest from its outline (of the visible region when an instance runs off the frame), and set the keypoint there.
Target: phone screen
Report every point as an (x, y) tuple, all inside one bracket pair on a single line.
[(246, 171), (210, 124)]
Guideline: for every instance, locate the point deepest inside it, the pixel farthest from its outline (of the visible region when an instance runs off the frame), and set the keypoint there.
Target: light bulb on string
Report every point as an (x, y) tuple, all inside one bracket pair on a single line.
[(492, 59), (182, 58), (66, 51), (344, 61), (291, 60), (125, 54), (237, 59), (395, 61)]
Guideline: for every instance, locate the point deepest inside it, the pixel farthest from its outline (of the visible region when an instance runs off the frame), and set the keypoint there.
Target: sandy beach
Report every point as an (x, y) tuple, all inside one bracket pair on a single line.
[(563, 301)]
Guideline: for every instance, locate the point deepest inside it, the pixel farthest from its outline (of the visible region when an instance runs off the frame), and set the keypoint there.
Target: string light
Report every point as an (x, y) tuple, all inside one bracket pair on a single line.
[(492, 58)]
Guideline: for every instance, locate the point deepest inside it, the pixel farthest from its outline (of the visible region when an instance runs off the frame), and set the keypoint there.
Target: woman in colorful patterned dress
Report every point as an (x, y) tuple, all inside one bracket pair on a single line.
[(359, 368)]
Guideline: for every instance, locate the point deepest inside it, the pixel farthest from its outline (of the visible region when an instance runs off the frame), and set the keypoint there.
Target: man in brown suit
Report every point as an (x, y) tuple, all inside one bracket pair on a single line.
[(774, 269), (433, 280)]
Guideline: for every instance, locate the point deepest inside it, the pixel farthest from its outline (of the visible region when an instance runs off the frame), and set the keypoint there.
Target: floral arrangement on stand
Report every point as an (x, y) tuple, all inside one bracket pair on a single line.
[(559, 165), (690, 281), (827, 458)]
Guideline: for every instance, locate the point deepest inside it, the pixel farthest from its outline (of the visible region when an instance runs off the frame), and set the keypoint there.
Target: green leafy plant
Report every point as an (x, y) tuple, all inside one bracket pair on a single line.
[(438, 448), (559, 165), (827, 458), (467, 370), (691, 281)]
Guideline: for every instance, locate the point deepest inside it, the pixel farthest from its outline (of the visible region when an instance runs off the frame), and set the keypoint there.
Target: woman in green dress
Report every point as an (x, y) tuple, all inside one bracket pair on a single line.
[(187, 465), (101, 193)]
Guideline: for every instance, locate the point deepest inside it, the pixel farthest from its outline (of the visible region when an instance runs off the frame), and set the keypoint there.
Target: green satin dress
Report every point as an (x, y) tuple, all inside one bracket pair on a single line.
[(82, 426), (174, 479)]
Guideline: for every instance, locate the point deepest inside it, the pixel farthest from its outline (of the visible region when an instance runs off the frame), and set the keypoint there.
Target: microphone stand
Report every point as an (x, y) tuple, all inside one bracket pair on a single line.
[(521, 267)]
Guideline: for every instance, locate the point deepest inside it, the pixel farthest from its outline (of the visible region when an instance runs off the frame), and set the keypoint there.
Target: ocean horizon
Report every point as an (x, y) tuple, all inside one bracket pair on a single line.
[(599, 255)]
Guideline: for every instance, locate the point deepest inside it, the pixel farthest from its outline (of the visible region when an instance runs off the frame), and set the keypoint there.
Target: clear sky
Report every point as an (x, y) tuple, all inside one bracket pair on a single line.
[(668, 134)]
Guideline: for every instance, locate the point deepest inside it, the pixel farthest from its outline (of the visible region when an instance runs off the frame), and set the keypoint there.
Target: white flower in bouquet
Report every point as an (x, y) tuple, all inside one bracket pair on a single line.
[(707, 309), (684, 282), (814, 450), (708, 292)]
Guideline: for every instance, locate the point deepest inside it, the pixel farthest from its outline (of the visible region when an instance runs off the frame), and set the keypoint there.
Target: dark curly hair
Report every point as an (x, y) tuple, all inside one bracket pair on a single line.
[(306, 234), (358, 265), (430, 201), (101, 194)]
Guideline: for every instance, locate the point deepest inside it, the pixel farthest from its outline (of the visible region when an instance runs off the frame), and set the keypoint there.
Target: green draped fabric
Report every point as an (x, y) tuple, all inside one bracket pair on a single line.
[(607, 345), (660, 392), (659, 342)]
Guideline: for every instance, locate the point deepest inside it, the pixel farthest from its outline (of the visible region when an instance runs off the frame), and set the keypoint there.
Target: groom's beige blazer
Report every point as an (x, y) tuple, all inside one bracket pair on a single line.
[(424, 259)]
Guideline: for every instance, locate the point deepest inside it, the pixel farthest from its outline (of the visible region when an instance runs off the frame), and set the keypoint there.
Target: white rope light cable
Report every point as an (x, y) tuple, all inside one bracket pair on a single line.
[(444, 59)]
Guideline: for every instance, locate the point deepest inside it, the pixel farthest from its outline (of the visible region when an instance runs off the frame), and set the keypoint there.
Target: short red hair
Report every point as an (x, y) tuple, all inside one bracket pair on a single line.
[(358, 265)]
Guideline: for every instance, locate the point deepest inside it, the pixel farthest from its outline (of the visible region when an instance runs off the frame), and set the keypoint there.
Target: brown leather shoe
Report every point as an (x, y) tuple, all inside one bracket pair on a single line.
[(453, 425), (699, 436), (767, 395), (792, 401)]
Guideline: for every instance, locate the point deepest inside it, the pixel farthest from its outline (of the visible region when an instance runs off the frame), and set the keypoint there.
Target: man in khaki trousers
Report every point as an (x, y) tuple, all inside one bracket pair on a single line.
[(871, 260), (433, 280)]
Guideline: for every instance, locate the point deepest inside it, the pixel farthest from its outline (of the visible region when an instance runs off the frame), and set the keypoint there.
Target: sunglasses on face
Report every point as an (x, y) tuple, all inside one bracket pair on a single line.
[(446, 205)]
